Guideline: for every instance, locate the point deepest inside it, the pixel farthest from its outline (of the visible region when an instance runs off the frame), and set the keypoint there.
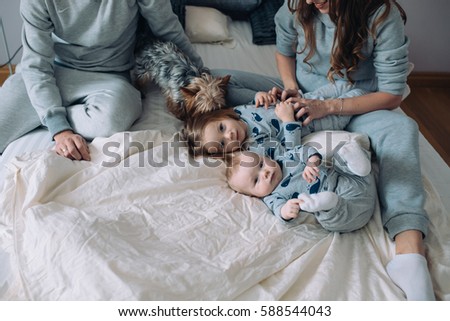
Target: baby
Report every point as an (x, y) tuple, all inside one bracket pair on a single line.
[(295, 181)]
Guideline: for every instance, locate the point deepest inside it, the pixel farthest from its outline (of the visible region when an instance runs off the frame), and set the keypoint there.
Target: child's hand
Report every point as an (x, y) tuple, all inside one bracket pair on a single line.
[(289, 93), (276, 91), (285, 112), (291, 208), (310, 173), (314, 161), (266, 99)]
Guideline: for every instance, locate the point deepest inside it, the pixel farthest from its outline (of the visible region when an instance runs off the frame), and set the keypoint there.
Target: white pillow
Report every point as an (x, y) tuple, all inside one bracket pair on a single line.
[(204, 24), (327, 142)]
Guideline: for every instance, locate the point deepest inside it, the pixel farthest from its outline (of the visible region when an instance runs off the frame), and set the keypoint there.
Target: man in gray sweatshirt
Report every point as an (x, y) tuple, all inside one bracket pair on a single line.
[(74, 75)]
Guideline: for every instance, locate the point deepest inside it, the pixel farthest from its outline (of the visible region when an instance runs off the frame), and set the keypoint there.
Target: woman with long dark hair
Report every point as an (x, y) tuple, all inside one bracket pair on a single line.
[(363, 43)]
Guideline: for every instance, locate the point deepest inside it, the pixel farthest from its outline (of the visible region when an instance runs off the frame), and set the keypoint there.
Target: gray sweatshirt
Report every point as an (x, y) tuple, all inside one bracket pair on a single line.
[(385, 68), (89, 35)]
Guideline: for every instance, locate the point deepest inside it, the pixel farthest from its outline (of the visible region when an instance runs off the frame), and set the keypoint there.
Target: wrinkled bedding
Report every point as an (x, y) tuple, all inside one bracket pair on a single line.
[(144, 222)]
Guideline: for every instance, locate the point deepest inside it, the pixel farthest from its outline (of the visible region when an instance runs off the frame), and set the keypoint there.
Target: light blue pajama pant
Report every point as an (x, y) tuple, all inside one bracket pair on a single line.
[(356, 201), (394, 139), (98, 104)]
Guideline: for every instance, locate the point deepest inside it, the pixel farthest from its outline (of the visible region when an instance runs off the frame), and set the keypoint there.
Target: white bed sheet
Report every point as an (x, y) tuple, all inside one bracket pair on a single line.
[(135, 231)]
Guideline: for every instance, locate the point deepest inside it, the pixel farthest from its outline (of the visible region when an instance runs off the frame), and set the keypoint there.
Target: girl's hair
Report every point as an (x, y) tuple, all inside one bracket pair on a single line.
[(194, 130), (351, 18)]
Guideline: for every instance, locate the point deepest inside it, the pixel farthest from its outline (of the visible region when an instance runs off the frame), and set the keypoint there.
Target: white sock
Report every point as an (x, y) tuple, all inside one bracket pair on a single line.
[(322, 201), (410, 273), (356, 159)]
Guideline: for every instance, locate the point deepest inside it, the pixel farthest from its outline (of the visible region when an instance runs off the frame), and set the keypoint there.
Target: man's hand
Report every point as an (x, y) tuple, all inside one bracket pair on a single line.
[(72, 146)]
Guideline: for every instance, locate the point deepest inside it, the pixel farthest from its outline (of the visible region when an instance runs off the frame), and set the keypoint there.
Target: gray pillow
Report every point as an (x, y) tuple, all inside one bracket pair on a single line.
[(263, 24)]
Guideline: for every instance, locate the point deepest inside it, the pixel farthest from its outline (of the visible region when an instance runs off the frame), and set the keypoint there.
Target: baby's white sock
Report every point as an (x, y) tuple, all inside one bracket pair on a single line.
[(410, 273), (322, 201), (356, 159)]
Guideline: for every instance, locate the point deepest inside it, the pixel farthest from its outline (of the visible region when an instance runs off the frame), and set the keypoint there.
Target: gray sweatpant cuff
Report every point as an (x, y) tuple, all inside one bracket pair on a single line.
[(406, 222)]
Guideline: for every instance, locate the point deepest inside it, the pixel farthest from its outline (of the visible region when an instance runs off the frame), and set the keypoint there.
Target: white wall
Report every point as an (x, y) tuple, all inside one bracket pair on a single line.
[(428, 28), (9, 12)]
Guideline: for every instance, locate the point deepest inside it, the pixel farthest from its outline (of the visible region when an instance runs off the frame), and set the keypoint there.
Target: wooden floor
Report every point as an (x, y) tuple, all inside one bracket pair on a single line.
[(4, 73), (428, 104)]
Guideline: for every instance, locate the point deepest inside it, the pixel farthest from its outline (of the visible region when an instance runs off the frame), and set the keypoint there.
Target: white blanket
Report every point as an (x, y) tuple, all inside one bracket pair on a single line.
[(146, 227), (154, 226)]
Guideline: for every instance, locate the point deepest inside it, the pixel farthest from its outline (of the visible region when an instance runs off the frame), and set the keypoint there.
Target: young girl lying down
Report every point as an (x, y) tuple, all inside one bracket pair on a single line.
[(290, 177), (260, 129)]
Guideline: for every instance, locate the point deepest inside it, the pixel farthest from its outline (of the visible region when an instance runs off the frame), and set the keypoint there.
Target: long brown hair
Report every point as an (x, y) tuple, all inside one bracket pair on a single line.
[(351, 18)]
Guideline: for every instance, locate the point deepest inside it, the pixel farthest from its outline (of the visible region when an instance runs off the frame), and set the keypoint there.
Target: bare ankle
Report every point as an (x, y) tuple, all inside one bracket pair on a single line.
[(410, 241)]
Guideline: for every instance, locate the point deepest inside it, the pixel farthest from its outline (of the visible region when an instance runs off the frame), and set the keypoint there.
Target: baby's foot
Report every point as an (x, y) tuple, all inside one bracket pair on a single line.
[(356, 159), (322, 201)]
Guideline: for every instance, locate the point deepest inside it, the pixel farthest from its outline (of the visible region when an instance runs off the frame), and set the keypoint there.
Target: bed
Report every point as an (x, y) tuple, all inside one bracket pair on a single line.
[(143, 221)]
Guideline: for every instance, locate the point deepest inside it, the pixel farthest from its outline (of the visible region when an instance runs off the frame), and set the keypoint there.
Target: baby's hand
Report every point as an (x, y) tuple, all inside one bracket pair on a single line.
[(276, 91), (285, 112), (310, 173), (314, 161), (291, 208), (266, 99), (290, 93)]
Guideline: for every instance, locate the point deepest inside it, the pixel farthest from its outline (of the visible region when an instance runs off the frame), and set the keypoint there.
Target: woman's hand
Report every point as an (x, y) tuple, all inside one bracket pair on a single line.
[(282, 95), (312, 108), (72, 146)]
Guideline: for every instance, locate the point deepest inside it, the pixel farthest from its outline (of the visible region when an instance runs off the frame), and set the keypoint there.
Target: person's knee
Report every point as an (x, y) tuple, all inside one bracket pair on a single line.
[(404, 129), (125, 111), (385, 127), (111, 111), (403, 122), (409, 125)]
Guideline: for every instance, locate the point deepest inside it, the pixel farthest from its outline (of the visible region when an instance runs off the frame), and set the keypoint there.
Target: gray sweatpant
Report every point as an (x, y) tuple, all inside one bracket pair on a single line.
[(356, 201), (98, 104)]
